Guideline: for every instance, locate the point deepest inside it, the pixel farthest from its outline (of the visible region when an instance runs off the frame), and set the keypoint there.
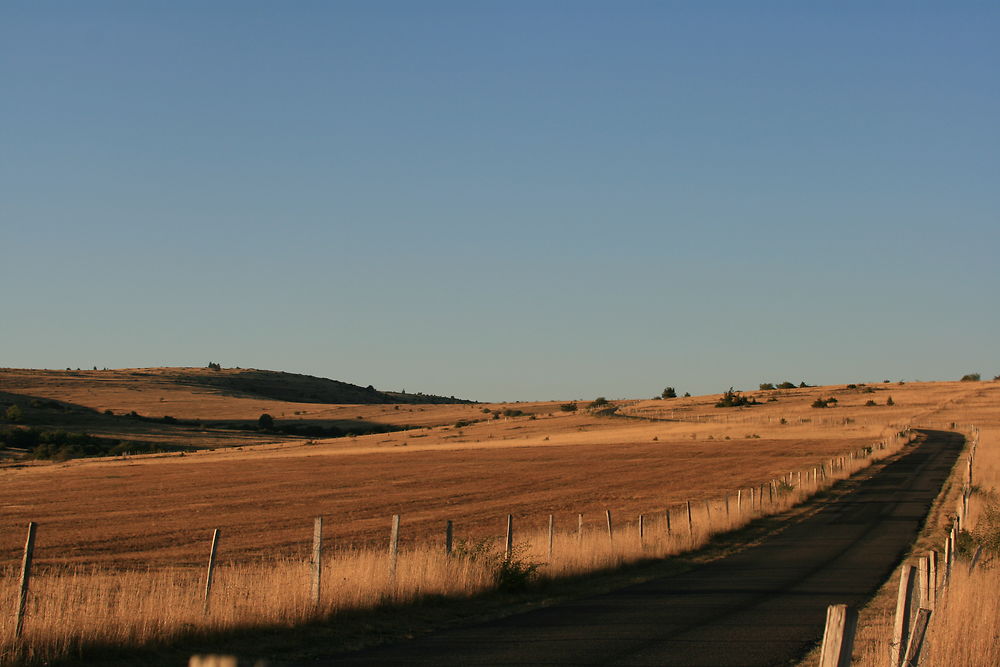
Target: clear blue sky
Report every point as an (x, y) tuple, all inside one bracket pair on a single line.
[(504, 200)]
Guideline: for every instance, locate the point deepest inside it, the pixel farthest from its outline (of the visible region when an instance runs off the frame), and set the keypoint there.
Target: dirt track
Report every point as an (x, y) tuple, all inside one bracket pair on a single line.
[(763, 606)]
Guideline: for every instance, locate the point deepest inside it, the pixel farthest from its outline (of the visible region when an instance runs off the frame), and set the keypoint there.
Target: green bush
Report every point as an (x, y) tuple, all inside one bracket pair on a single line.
[(598, 402), (786, 385), (971, 377), (509, 574), (734, 399), (14, 413), (669, 392), (568, 407), (870, 403), (889, 401), (766, 386)]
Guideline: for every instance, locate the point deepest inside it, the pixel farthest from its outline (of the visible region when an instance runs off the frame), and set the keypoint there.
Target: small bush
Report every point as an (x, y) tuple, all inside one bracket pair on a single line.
[(14, 413), (669, 392), (889, 401), (971, 377), (509, 574), (265, 422), (598, 402), (734, 399), (568, 407), (786, 385), (870, 403), (766, 386), (820, 403)]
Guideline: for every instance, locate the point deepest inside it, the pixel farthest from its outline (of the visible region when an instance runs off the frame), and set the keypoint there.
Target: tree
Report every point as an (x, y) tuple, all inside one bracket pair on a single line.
[(786, 385), (568, 407), (265, 422), (598, 402), (669, 392), (971, 377), (889, 401), (765, 386)]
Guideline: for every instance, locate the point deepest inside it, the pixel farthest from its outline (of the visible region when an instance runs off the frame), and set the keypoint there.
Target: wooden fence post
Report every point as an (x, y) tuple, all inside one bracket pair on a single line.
[(923, 581), (449, 536), (690, 523), (667, 514), (912, 658), (838, 636), (642, 528), (552, 534), (508, 548), (211, 568), (22, 597), (727, 505), (317, 558), (611, 533), (932, 579), (739, 502), (708, 514), (393, 546), (901, 626)]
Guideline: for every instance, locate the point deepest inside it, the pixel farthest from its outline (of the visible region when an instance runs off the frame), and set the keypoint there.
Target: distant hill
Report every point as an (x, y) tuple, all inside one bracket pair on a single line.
[(297, 388), (238, 382)]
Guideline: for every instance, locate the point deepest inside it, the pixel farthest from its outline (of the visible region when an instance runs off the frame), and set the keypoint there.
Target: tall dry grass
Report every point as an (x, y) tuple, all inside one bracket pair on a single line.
[(72, 610)]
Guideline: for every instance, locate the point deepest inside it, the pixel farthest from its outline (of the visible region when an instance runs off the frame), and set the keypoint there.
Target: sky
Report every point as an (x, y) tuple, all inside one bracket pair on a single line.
[(504, 200)]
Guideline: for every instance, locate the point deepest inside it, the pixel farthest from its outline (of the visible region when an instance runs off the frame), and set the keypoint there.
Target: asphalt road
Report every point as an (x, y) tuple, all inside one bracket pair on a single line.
[(765, 605)]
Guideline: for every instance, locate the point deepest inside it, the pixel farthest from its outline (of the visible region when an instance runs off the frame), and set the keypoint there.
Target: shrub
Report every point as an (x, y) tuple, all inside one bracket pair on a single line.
[(766, 386), (786, 385), (598, 402), (733, 399), (509, 574), (669, 392), (14, 413), (510, 412), (215, 366), (889, 401), (568, 407), (461, 423), (869, 403), (819, 403), (970, 377), (687, 394), (265, 422)]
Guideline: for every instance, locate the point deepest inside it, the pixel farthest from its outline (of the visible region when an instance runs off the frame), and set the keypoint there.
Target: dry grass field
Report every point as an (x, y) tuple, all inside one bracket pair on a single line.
[(106, 522)]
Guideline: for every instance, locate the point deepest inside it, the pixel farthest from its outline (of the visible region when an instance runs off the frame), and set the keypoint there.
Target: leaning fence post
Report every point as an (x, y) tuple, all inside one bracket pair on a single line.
[(901, 626), (690, 523), (393, 546), (22, 598), (211, 568), (508, 548), (448, 537), (317, 558), (838, 636), (912, 658), (611, 532)]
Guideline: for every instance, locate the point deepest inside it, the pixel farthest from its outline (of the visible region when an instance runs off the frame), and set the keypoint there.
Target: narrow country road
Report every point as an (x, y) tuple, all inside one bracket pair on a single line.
[(765, 605)]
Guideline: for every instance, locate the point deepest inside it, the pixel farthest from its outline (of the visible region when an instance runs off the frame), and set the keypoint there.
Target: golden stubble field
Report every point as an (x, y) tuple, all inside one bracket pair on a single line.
[(160, 509)]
